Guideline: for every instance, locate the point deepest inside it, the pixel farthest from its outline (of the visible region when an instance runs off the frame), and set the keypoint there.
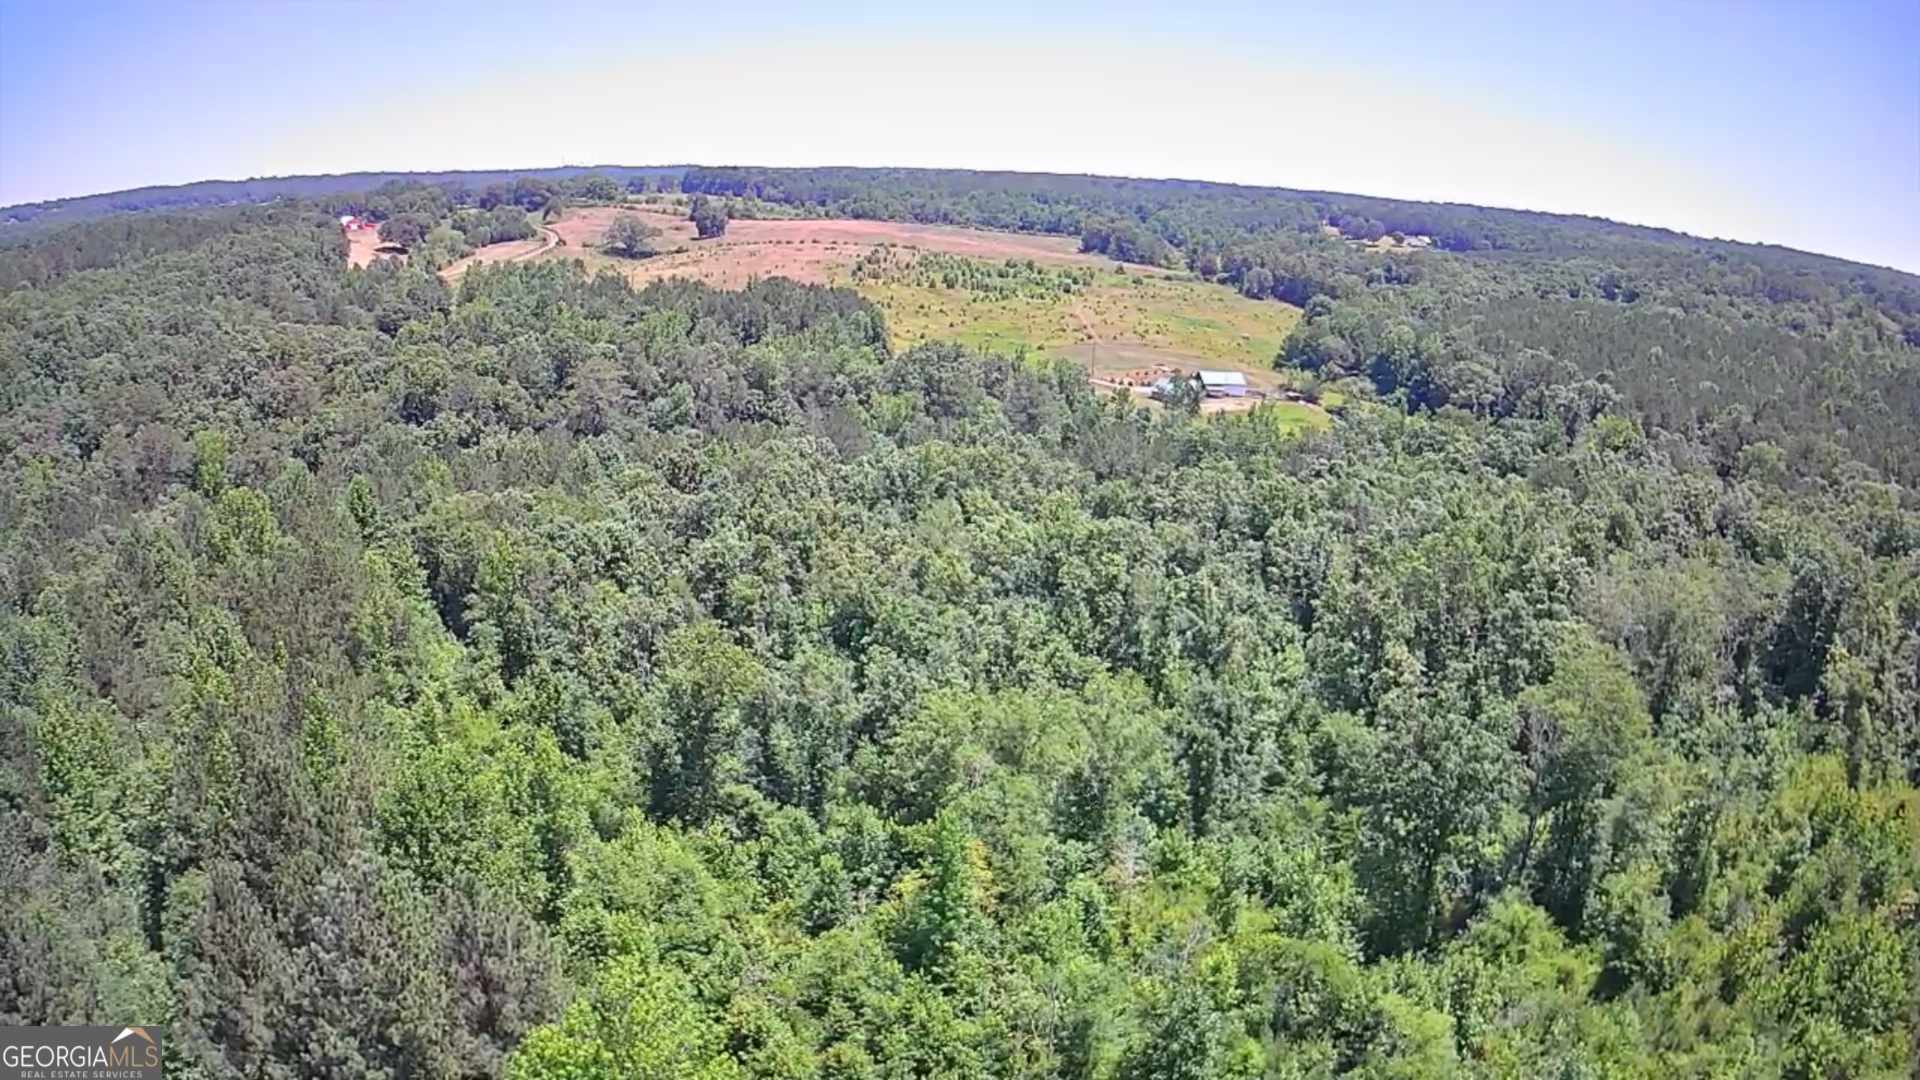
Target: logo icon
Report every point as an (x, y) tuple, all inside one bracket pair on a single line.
[(94, 1052)]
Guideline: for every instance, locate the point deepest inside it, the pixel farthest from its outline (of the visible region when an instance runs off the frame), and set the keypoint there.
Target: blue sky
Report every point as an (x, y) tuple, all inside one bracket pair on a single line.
[(1792, 123)]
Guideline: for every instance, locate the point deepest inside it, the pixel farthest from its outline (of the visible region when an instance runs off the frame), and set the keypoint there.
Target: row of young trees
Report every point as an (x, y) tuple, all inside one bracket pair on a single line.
[(887, 264), (551, 679)]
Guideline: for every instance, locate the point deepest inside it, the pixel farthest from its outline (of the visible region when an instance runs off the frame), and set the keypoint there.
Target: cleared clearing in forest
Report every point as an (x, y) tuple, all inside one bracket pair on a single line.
[(1149, 311)]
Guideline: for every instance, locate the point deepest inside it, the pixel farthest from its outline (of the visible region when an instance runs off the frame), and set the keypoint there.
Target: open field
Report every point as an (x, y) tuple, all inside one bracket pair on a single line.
[(818, 251), (1108, 318), (1119, 328), (509, 251), (1179, 319), (582, 228), (363, 246), (1148, 310)]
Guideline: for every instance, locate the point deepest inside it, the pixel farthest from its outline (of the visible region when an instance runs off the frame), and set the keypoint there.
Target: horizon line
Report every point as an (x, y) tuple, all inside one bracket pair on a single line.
[(349, 173)]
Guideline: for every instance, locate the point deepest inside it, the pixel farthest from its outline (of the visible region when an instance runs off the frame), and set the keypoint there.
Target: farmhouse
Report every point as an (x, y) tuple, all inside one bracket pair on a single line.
[(1222, 383)]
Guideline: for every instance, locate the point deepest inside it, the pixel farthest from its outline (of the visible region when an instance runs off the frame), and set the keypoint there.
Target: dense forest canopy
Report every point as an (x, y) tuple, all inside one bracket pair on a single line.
[(540, 678)]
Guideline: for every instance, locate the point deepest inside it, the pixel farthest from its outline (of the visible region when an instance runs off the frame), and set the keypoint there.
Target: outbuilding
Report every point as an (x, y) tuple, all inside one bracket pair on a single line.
[(1222, 383)]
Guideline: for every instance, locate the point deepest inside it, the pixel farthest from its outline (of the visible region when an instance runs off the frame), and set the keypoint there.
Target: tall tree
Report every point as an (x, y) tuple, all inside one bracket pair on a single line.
[(631, 237), (709, 217)]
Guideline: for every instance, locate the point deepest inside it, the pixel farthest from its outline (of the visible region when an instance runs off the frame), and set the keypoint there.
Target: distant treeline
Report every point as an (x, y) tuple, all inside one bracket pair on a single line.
[(1199, 218), (489, 210), (212, 193)]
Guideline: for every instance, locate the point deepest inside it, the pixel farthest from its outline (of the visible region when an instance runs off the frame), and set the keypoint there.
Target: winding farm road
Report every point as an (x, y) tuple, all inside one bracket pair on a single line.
[(548, 241), (552, 241)]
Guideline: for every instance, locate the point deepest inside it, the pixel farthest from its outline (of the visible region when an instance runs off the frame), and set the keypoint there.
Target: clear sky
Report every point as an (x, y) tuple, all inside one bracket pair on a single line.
[(1791, 123)]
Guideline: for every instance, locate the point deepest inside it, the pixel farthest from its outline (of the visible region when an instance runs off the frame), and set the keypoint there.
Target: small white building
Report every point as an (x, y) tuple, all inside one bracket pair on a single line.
[(1222, 383)]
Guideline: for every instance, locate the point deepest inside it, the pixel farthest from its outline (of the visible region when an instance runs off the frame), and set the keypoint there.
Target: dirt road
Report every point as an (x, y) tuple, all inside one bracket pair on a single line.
[(511, 251)]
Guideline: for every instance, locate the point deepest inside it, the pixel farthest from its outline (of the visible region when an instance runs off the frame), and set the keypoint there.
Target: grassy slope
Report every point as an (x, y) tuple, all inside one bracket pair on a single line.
[(1126, 320), (1185, 318)]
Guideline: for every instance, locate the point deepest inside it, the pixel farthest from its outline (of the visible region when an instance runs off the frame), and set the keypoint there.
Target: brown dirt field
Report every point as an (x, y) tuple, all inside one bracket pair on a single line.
[(817, 251), (731, 264), (360, 246), (582, 228), (974, 243)]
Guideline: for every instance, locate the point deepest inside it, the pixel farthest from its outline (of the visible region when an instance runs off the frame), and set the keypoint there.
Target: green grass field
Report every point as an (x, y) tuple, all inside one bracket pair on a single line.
[(1289, 416), (1110, 320), (1135, 315)]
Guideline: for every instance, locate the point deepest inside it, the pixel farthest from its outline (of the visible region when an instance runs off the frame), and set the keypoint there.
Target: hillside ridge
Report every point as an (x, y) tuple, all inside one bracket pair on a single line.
[(227, 192)]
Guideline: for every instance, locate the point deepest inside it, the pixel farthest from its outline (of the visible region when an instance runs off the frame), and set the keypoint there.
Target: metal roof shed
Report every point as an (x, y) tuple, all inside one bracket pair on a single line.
[(1222, 383)]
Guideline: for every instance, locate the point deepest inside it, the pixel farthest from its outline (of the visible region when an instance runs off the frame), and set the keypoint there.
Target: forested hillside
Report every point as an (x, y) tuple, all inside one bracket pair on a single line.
[(15, 220), (546, 679), (1728, 343)]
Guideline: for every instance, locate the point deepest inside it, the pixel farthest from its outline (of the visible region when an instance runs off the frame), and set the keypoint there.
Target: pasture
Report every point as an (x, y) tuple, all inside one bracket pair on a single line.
[(814, 250), (1150, 314)]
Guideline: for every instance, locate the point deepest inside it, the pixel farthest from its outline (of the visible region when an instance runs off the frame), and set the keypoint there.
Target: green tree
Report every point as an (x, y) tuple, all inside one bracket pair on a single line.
[(706, 684), (640, 1020), (1182, 394), (1579, 731), (631, 237), (709, 217), (406, 230), (943, 921)]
